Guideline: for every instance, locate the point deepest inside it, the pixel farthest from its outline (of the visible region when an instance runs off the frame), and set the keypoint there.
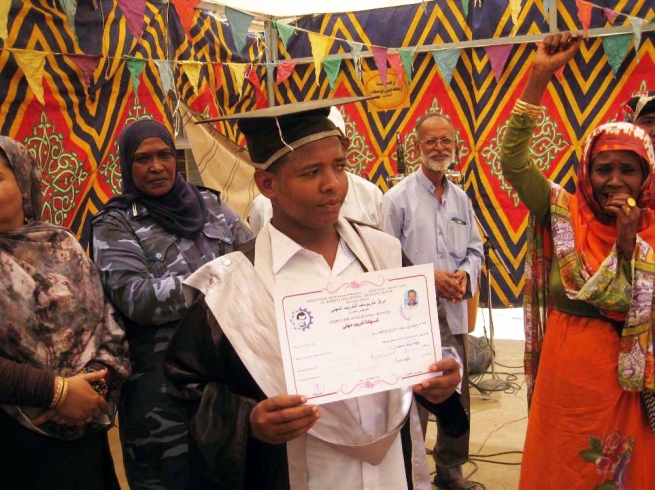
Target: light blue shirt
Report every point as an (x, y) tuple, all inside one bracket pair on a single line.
[(442, 234)]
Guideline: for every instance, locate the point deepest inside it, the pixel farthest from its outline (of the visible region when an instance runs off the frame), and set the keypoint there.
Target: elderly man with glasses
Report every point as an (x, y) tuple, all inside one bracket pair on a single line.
[(433, 218)]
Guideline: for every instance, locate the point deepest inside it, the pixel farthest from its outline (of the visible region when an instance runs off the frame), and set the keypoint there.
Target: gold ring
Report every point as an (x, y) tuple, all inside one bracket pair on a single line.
[(631, 202), (626, 210), (88, 420)]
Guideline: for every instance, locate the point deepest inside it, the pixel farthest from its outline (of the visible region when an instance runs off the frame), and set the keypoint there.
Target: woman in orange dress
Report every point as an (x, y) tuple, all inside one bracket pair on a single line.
[(589, 309)]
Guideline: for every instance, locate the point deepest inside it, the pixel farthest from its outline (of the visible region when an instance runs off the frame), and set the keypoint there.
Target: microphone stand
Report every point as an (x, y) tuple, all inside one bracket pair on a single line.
[(400, 167), (494, 383)]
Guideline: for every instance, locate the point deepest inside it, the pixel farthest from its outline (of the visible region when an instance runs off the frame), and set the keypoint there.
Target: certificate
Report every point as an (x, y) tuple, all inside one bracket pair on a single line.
[(353, 336)]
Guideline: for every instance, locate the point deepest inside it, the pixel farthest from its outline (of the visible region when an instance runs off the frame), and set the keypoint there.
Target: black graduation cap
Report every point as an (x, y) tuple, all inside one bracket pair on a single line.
[(275, 131)]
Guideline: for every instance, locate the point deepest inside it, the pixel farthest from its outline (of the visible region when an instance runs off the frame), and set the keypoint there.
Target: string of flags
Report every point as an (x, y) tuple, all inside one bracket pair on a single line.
[(400, 60)]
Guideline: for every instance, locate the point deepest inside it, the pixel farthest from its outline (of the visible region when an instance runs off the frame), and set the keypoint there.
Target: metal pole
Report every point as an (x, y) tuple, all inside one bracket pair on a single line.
[(270, 52)]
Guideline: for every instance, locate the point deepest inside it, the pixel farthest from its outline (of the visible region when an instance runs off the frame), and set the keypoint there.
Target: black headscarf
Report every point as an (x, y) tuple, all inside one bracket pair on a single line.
[(182, 211)]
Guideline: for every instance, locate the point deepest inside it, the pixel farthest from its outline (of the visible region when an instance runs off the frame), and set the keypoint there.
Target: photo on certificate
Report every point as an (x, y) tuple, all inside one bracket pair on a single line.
[(347, 337)]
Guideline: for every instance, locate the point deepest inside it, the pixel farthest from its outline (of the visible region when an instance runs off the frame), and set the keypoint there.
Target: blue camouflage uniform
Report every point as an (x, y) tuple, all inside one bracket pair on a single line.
[(142, 268)]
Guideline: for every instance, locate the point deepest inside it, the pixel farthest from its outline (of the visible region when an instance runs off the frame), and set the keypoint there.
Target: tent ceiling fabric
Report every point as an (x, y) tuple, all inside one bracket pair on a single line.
[(292, 8)]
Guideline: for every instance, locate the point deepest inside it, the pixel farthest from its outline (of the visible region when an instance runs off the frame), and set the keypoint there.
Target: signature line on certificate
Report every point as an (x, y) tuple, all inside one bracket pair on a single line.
[(320, 396), (414, 375)]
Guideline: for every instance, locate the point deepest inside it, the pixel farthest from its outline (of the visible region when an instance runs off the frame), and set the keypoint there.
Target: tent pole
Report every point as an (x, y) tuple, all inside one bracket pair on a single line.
[(270, 52), (552, 21)]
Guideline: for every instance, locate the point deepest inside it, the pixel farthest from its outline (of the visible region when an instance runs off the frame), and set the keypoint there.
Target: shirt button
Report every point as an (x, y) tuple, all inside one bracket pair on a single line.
[(159, 255), (227, 262)]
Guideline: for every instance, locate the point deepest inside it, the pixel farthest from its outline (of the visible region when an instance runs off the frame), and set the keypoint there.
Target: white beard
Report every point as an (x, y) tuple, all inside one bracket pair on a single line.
[(440, 165)]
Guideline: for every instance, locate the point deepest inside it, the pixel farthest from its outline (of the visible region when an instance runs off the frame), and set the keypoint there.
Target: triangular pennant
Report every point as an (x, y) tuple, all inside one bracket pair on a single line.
[(134, 12), (165, 74), (87, 63), (285, 32), (218, 75), (192, 71), (407, 56), (446, 60), (70, 8), (5, 6), (239, 24), (584, 14), (239, 70), (260, 96), (610, 15), (546, 9), (498, 57), (186, 10), (32, 63), (319, 46), (135, 67), (515, 8), (356, 50), (397, 64), (331, 67), (380, 57), (616, 47), (637, 26), (284, 70), (465, 7)]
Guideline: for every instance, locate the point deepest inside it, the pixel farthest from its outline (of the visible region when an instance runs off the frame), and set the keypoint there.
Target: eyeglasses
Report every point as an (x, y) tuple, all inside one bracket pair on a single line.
[(446, 142)]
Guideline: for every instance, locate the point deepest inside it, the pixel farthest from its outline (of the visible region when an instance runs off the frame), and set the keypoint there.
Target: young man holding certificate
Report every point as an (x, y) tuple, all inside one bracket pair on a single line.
[(226, 355)]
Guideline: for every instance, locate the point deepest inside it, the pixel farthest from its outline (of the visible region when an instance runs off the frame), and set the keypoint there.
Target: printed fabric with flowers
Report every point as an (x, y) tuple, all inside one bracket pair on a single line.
[(611, 457)]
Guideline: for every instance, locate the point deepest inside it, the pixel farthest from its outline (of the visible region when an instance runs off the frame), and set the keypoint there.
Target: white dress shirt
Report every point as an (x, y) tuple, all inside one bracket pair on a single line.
[(328, 468)]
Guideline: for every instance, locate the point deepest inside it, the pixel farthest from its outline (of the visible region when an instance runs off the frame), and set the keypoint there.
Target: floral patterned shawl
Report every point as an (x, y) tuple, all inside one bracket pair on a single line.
[(580, 239), (53, 313)]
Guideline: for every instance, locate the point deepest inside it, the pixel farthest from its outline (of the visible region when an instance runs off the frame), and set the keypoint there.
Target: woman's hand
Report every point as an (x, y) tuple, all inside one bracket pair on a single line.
[(555, 51), (627, 222), (81, 404), (281, 418)]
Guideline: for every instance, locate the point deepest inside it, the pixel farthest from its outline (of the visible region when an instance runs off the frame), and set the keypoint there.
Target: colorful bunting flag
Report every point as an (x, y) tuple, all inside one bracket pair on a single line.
[(260, 96), (356, 50), (135, 67), (380, 57), (239, 24), (331, 67), (465, 7), (610, 15), (584, 14), (32, 63), (515, 8), (5, 5), (637, 25), (218, 75), (192, 71), (498, 56), (239, 70), (87, 63), (186, 10), (397, 64), (407, 56), (285, 32), (284, 70), (165, 75), (70, 8), (616, 47), (446, 60), (319, 46), (134, 12)]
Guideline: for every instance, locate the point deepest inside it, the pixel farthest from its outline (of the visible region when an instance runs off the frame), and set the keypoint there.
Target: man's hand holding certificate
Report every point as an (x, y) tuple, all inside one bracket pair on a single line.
[(348, 337)]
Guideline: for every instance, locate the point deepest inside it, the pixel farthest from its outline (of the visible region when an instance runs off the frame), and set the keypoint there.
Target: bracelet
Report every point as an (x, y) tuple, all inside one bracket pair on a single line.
[(58, 391), (534, 112), (100, 386), (64, 393)]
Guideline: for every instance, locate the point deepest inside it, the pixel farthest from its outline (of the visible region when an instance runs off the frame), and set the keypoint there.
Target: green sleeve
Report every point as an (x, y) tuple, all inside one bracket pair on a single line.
[(520, 171)]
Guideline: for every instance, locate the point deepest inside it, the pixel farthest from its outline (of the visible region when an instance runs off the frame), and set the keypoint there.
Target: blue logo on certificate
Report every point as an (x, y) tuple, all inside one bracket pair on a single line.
[(301, 319)]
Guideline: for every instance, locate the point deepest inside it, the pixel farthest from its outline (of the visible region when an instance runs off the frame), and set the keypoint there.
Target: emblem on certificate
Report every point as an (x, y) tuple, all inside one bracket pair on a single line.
[(301, 319)]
